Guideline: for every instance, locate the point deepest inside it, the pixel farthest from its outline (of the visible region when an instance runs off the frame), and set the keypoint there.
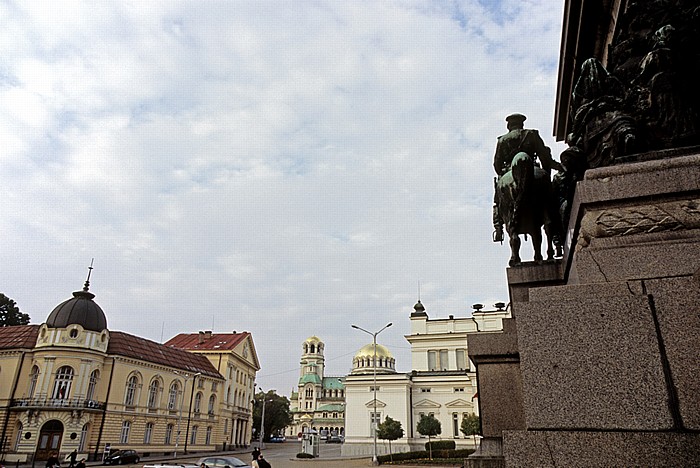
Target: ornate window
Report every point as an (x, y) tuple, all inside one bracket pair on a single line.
[(198, 402), (62, 383), (92, 385), (212, 402), (153, 391), (130, 396), (33, 377), (172, 395)]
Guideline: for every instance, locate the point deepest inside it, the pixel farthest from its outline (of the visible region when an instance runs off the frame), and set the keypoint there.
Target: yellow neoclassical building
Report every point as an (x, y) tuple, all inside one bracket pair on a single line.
[(72, 384)]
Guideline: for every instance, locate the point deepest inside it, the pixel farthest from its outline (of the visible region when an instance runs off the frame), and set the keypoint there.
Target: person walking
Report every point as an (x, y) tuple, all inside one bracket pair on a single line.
[(262, 463), (72, 457), (52, 461), (256, 453)]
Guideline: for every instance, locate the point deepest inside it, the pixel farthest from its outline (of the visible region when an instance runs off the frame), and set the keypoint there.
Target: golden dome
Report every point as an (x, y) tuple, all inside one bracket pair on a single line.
[(368, 351), (313, 339)]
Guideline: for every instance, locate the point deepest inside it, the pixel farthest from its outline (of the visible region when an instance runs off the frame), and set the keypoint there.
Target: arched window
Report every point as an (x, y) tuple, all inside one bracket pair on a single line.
[(148, 433), (172, 395), (168, 434), (153, 391), (207, 437), (62, 383), (33, 377), (130, 396), (198, 402), (83, 438), (312, 349), (210, 407), (92, 385), (18, 435), (228, 395), (126, 429)]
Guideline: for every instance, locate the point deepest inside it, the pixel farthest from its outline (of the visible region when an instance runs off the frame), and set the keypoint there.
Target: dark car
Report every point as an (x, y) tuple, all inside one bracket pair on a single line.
[(122, 457), (222, 462), (334, 439)]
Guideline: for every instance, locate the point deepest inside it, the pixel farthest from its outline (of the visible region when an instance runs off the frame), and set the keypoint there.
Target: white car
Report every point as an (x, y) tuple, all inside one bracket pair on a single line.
[(170, 465)]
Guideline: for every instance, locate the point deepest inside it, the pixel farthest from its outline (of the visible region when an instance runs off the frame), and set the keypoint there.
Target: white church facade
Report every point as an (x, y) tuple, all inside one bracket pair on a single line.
[(442, 383)]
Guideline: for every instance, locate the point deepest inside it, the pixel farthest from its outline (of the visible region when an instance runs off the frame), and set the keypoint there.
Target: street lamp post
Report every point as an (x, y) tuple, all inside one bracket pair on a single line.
[(375, 460), (186, 377), (262, 421)]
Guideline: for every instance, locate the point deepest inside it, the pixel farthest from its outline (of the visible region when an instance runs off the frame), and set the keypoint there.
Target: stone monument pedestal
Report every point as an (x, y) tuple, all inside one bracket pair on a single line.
[(607, 341)]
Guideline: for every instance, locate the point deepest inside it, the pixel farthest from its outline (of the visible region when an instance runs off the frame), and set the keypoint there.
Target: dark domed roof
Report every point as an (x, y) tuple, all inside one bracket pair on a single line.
[(80, 310), (418, 310)]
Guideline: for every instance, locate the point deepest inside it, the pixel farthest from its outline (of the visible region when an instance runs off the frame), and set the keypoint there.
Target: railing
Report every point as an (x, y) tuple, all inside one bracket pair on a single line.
[(81, 403)]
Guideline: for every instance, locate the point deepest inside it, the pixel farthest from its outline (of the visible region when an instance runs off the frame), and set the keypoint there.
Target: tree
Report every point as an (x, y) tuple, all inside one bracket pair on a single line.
[(390, 430), (471, 426), (429, 426), (277, 415), (10, 313)]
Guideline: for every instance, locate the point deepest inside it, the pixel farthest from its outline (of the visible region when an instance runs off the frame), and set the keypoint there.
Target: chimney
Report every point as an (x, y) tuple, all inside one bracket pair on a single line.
[(207, 334), (201, 337)]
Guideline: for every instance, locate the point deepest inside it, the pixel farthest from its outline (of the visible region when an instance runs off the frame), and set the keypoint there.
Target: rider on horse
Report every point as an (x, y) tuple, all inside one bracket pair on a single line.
[(518, 139)]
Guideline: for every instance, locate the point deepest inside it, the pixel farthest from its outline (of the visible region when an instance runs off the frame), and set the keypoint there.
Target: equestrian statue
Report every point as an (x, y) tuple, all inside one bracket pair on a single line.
[(524, 200)]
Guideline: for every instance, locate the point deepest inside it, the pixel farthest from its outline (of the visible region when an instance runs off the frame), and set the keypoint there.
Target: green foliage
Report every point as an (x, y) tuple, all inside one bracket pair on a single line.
[(304, 455), (429, 426), (420, 456), (277, 415), (440, 445), (470, 425), (10, 313), (389, 430)]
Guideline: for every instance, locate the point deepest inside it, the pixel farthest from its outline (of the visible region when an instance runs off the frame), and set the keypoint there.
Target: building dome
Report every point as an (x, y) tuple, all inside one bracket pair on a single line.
[(313, 339), (362, 362), (313, 345), (80, 310)]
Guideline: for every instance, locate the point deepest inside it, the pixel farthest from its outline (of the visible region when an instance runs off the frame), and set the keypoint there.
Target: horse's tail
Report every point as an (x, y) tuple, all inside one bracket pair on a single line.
[(523, 170)]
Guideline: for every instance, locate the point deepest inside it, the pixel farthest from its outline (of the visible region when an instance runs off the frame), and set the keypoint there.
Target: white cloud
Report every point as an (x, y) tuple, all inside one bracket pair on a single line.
[(283, 168)]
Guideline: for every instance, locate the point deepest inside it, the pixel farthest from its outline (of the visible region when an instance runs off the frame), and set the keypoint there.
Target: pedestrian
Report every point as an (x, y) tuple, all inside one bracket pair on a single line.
[(262, 463), (81, 463), (256, 453), (52, 462), (72, 457)]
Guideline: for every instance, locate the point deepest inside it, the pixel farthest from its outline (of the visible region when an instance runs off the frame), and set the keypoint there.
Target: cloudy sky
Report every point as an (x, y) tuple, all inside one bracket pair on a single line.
[(288, 168)]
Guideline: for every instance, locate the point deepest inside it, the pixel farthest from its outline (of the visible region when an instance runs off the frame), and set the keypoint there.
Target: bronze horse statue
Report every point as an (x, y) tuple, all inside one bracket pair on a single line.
[(526, 204)]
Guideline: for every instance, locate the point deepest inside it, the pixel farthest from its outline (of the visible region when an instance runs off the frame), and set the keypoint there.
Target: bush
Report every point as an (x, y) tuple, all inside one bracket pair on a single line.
[(457, 455), (304, 455), (440, 445)]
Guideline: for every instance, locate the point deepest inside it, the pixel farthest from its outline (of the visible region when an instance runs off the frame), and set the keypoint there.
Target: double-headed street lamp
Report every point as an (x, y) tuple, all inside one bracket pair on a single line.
[(186, 377), (262, 420), (375, 460)]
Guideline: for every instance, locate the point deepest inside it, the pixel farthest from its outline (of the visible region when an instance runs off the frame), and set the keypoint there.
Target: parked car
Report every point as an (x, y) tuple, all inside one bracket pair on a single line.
[(223, 462), (334, 439), (170, 465), (122, 457), (277, 438)]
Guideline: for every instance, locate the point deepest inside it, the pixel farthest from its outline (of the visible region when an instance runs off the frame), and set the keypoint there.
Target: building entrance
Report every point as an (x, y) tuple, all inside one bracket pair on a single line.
[(49, 439)]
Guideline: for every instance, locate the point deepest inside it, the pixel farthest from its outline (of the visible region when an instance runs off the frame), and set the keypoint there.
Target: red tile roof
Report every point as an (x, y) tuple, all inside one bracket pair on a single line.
[(123, 344), (216, 342), (18, 336)]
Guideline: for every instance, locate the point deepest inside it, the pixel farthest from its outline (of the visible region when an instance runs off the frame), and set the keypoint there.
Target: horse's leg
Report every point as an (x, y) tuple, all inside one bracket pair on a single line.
[(514, 249), (550, 245), (537, 244)]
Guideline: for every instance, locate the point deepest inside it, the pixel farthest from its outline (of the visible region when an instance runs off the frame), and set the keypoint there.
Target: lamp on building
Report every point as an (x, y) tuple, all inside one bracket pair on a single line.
[(375, 460), (186, 377)]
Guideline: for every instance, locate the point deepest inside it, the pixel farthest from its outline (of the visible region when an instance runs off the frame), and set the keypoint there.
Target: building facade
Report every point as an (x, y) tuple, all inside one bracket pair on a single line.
[(233, 355), (442, 383), (319, 401), (72, 384)]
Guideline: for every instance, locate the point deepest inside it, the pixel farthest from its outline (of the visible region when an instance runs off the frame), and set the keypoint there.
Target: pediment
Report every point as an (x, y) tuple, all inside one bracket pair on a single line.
[(380, 404), (459, 403), (427, 404)]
